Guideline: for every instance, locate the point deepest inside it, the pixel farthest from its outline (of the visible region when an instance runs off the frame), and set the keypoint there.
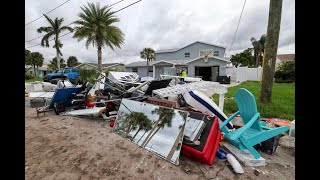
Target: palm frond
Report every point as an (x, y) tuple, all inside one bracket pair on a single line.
[(49, 20), (45, 39), (96, 26), (64, 28), (47, 29)]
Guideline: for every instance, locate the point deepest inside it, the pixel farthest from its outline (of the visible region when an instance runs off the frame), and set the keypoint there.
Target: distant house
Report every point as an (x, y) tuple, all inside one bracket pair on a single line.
[(281, 58), (40, 72), (189, 57), (109, 66)]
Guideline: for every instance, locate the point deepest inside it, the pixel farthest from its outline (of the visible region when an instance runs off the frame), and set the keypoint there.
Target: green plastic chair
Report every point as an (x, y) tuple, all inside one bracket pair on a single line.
[(254, 131)]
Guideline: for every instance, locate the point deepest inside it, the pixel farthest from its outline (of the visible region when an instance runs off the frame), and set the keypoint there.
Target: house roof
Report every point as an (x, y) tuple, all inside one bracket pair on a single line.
[(167, 50), (173, 62), (105, 65), (176, 49), (286, 57), (137, 64), (44, 67)]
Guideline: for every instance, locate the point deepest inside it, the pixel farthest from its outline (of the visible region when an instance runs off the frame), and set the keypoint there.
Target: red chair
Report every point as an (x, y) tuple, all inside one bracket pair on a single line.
[(209, 143)]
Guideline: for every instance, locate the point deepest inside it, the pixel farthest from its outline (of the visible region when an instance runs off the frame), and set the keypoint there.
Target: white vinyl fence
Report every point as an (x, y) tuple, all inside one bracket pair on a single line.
[(241, 74)]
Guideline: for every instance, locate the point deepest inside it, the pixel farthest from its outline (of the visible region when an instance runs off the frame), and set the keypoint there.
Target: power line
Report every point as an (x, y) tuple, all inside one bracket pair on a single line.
[(237, 25), (115, 3), (49, 40), (127, 6), (47, 13), (72, 22)]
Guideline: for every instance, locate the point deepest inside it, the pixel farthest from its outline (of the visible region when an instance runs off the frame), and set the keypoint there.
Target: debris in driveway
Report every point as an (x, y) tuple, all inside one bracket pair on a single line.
[(37, 102), (257, 172), (197, 137), (279, 122), (123, 77), (292, 129), (94, 111), (235, 164), (270, 146), (204, 104), (244, 156), (222, 154)]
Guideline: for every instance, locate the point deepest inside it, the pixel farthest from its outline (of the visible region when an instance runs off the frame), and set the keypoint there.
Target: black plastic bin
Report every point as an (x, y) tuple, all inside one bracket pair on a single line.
[(223, 79)]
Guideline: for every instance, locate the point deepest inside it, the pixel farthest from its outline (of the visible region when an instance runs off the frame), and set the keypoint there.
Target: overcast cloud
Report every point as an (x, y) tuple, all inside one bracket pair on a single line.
[(164, 24)]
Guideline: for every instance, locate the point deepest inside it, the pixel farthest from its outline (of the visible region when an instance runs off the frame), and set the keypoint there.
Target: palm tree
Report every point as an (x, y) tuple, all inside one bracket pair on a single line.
[(149, 55), (258, 47), (143, 122), (96, 26), (165, 119), (54, 30), (130, 121), (175, 146)]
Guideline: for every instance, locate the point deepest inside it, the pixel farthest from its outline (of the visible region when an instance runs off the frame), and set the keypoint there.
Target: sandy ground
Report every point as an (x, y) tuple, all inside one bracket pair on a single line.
[(63, 147)]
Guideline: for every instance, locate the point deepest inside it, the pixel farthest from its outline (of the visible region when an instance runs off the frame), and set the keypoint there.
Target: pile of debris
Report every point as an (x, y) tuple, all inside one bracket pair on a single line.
[(164, 118)]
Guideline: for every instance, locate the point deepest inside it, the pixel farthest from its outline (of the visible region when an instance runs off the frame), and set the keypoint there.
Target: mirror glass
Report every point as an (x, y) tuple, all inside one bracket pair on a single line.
[(155, 128)]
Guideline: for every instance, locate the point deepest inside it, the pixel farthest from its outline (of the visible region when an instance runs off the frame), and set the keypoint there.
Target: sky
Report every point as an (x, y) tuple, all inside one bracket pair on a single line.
[(163, 24)]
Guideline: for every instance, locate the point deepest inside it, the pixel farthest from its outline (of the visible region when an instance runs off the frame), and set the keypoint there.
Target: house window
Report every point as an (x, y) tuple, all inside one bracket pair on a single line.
[(186, 55), (150, 69), (134, 69), (215, 53), (74, 70), (67, 71), (206, 52)]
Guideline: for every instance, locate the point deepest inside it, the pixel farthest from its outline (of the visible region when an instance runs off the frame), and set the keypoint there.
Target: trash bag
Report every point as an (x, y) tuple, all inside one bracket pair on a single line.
[(270, 146)]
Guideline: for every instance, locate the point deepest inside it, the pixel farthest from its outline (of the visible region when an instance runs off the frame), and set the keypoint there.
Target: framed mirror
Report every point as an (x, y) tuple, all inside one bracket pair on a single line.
[(155, 128)]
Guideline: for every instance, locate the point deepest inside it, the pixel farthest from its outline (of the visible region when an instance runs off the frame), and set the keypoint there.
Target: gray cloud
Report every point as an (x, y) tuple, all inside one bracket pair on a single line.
[(165, 24)]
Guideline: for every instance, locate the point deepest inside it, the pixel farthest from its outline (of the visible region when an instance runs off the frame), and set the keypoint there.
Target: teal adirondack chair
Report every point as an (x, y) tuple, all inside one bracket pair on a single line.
[(254, 131)]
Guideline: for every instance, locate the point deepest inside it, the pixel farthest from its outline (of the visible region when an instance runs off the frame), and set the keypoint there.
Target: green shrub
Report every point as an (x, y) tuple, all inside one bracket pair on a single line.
[(29, 75), (286, 72), (88, 75), (283, 81)]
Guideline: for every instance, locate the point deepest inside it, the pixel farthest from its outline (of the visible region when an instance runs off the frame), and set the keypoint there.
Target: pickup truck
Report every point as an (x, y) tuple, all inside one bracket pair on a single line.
[(71, 73)]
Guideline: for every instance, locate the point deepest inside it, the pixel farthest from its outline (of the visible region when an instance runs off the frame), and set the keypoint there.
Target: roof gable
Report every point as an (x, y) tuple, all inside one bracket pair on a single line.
[(177, 49), (286, 57)]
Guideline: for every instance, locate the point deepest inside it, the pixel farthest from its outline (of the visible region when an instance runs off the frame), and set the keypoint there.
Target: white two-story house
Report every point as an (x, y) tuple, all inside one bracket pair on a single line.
[(189, 57)]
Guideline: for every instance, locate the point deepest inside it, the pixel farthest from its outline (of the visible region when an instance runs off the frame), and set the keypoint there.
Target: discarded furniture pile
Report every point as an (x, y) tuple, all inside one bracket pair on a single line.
[(168, 118)]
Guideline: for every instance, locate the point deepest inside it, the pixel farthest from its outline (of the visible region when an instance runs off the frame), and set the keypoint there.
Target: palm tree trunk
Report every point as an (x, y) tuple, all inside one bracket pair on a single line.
[(142, 136), (99, 59), (147, 67), (175, 145), (34, 69), (58, 58), (257, 59), (128, 130), (153, 128), (135, 134), (151, 137), (272, 41)]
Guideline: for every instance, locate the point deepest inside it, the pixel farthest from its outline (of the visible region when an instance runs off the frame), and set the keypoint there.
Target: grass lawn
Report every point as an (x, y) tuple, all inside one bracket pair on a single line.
[(33, 80), (282, 100)]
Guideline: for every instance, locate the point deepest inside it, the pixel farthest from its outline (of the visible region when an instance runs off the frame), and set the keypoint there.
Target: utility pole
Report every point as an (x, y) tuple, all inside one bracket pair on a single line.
[(271, 50)]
